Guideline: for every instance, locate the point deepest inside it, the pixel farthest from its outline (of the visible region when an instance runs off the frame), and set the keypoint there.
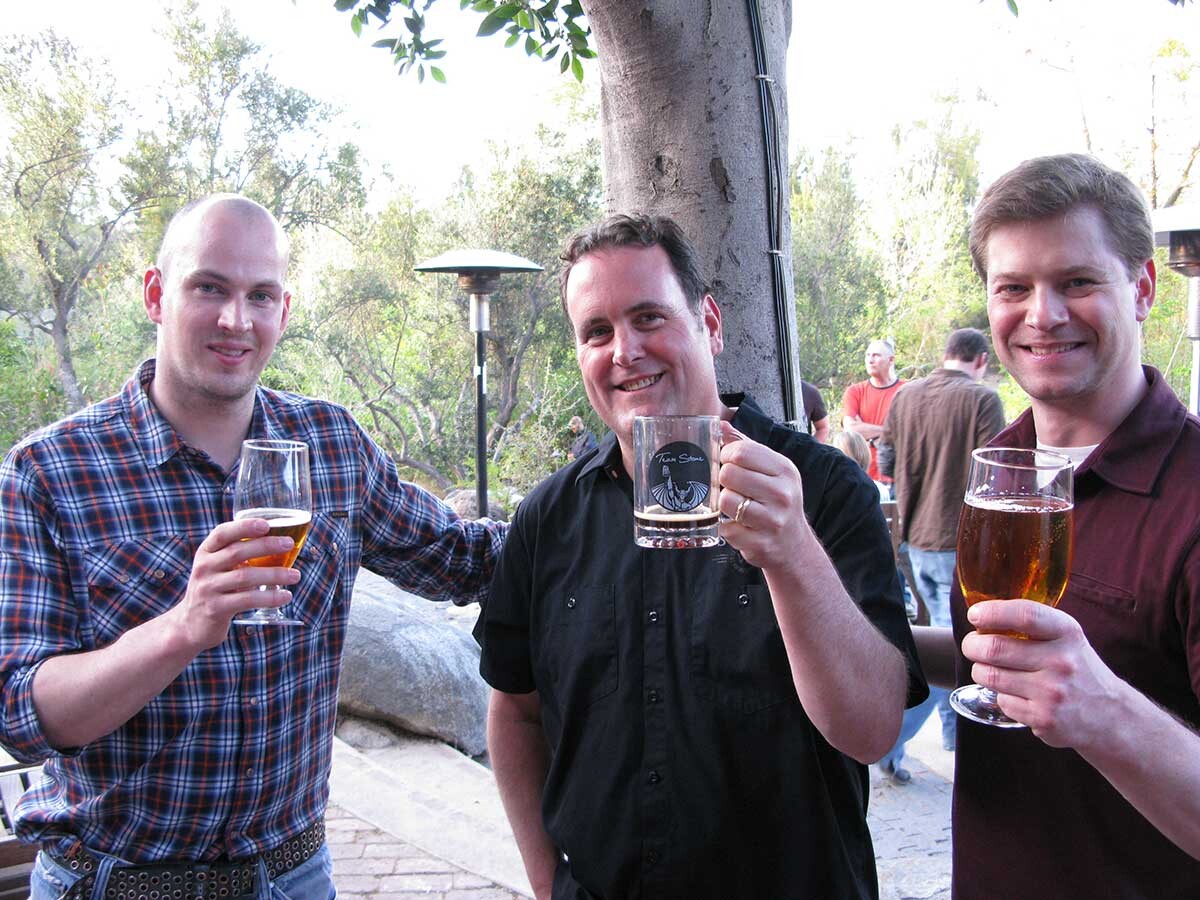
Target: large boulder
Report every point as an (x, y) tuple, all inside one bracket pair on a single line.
[(466, 504), (412, 664)]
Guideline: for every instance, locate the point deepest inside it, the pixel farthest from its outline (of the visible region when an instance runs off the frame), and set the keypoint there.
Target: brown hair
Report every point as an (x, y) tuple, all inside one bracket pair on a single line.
[(638, 231), (965, 345), (1050, 186)]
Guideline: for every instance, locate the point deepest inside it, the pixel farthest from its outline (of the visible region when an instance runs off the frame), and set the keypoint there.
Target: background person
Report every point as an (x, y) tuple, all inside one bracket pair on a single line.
[(169, 739), (931, 428), (584, 441), (1098, 797), (690, 723), (815, 411), (865, 403)]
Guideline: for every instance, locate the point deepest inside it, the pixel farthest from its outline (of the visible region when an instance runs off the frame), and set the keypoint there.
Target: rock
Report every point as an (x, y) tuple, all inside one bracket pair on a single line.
[(465, 503), (407, 665)]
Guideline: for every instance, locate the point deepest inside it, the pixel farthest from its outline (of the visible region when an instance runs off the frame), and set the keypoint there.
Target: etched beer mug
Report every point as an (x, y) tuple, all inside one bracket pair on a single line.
[(675, 489)]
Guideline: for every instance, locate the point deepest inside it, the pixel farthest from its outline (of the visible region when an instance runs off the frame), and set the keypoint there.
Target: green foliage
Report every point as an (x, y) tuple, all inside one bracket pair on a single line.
[(544, 30), (932, 288), (840, 292), (399, 341), (1164, 333), (30, 395)]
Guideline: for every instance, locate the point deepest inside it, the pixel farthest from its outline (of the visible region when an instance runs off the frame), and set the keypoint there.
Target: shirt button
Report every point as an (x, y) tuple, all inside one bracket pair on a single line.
[(652, 616), (250, 772), (653, 696), (743, 599), (652, 857), (654, 777), (123, 578), (160, 574), (335, 550), (254, 701), (570, 603)]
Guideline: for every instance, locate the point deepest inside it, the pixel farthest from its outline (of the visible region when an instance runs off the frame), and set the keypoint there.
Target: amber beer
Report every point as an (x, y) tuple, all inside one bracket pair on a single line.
[(1011, 547), (291, 523)]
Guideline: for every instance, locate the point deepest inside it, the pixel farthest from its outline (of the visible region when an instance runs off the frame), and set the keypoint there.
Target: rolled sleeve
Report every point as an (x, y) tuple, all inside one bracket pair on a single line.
[(38, 618), (418, 542)]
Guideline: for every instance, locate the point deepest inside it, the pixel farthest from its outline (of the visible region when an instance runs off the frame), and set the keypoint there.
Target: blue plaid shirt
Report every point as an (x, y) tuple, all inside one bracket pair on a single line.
[(100, 517)]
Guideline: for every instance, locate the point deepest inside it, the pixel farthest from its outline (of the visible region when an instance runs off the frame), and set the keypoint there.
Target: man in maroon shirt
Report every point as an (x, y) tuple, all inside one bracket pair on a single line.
[(1098, 797)]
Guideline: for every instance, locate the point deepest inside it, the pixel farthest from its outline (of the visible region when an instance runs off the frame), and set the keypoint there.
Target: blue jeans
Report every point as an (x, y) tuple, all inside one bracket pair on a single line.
[(311, 880), (934, 573)]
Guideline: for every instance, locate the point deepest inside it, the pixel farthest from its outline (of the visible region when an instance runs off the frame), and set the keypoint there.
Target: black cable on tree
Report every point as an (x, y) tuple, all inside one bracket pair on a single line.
[(775, 211)]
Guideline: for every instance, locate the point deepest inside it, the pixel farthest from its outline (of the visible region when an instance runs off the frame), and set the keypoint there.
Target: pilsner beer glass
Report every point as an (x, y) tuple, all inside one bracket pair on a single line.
[(273, 484), (675, 488), (1014, 540)]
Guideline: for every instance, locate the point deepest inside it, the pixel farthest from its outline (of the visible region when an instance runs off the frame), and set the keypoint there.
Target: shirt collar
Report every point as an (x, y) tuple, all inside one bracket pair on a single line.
[(153, 433), (159, 440), (1133, 457)]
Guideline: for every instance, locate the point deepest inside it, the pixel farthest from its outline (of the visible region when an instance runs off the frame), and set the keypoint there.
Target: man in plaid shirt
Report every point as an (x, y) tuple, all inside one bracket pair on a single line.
[(169, 739)]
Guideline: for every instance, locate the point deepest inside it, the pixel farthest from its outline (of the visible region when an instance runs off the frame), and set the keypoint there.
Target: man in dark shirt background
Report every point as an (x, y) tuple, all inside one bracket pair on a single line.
[(584, 439), (690, 723), (815, 412)]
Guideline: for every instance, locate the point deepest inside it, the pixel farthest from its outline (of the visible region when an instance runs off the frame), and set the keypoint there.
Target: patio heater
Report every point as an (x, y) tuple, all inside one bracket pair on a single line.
[(1178, 229), (479, 274)]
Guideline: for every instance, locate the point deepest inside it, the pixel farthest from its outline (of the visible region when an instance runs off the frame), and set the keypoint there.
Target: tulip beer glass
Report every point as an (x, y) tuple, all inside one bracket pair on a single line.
[(1014, 540), (273, 484)]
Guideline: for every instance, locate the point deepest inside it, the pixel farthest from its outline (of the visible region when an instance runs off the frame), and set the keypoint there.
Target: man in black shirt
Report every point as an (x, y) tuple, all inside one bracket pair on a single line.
[(690, 723), (584, 439)]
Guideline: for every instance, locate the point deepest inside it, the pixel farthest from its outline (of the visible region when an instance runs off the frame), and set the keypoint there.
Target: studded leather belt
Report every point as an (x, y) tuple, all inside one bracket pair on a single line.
[(219, 880)]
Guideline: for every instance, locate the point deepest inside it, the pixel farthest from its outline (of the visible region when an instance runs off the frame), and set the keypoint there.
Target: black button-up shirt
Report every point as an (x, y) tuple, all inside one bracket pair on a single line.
[(681, 761)]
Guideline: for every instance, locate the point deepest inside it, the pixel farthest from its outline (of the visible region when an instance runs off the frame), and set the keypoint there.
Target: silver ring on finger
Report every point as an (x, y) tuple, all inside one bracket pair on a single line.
[(741, 511)]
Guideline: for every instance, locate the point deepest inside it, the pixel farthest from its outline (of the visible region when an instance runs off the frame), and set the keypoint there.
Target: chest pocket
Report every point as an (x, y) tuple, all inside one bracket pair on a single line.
[(579, 647), (737, 655), (320, 591), (133, 581)]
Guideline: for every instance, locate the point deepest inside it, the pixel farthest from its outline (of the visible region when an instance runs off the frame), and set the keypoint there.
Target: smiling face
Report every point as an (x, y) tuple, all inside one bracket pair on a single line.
[(220, 306), (1065, 317), (641, 350)]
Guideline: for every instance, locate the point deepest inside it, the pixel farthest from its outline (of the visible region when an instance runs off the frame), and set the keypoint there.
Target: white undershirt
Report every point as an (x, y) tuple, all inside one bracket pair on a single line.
[(1076, 454)]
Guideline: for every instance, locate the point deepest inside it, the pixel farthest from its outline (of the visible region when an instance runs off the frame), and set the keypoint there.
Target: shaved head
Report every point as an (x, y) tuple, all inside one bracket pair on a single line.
[(184, 225)]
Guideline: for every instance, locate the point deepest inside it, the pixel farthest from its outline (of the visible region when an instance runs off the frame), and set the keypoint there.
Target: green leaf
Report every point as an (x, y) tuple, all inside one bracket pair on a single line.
[(434, 54), (577, 68), (356, 24), (553, 53), (531, 47), (512, 39), (390, 43), (414, 24), (420, 73), (1012, 7), (497, 19), (523, 20), (548, 11), (565, 63), (438, 75), (344, 5)]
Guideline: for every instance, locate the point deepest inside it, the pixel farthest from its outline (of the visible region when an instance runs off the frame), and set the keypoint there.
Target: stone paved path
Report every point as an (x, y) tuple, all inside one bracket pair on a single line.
[(371, 865), (910, 826)]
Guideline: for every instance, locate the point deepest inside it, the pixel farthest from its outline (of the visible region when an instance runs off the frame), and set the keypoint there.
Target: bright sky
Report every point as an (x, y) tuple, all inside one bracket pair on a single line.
[(854, 70)]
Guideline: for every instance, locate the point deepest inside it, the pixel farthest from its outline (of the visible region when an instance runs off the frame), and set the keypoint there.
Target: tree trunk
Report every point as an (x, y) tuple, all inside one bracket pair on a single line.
[(683, 135), (66, 365)]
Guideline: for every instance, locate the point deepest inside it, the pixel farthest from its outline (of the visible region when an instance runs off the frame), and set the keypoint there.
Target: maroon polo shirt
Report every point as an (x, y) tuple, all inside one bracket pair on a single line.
[(1035, 821)]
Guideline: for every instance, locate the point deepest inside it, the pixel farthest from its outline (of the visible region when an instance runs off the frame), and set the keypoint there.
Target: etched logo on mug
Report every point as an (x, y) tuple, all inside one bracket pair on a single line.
[(679, 476)]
